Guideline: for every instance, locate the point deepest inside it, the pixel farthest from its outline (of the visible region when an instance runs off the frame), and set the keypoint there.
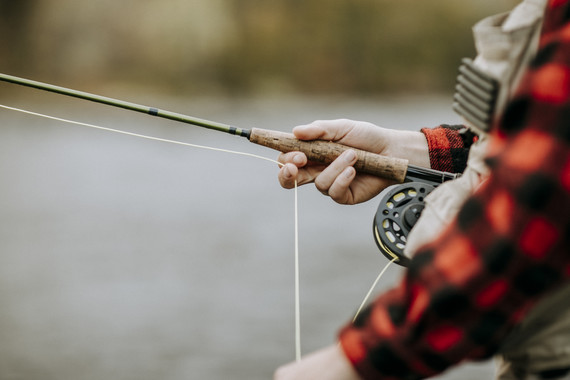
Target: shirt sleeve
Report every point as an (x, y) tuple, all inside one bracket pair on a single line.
[(507, 247), (449, 147)]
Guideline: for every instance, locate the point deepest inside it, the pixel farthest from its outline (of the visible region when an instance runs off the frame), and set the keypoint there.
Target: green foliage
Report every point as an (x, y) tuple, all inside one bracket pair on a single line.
[(363, 46), (241, 46)]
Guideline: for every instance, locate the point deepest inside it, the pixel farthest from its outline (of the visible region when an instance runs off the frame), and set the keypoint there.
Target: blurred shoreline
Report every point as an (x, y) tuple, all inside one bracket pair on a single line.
[(129, 259), (244, 47)]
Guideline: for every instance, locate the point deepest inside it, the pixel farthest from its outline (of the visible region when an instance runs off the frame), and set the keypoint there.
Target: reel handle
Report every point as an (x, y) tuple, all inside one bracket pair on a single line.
[(327, 151)]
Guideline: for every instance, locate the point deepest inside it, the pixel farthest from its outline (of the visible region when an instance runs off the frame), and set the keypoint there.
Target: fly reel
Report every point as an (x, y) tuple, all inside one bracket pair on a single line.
[(399, 210)]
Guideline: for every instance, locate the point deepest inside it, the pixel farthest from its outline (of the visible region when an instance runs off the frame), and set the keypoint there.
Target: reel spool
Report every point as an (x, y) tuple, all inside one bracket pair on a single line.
[(399, 210)]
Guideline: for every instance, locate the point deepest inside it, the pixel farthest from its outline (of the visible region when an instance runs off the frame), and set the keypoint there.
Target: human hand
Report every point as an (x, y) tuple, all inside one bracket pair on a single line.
[(339, 179), (327, 364)]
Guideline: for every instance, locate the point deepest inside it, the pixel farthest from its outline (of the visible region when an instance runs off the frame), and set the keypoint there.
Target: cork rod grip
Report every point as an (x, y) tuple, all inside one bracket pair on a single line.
[(326, 152)]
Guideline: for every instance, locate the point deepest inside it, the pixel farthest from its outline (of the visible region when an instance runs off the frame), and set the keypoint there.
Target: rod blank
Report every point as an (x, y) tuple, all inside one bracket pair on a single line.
[(127, 105), (391, 168)]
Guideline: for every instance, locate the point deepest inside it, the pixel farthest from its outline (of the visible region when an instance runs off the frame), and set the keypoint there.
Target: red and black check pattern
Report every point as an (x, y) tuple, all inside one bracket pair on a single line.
[(449, 147), (508, 247)]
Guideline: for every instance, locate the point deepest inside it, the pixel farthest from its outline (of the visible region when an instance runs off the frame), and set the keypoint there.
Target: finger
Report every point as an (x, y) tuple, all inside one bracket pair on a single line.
[(289, 173), (357, 134), (332, 130), (324, 180), (350, 188), (340, 190), (296, 158)]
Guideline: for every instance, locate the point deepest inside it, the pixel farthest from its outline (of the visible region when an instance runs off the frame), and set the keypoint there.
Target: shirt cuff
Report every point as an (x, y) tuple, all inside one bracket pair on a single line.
[(448, 147)]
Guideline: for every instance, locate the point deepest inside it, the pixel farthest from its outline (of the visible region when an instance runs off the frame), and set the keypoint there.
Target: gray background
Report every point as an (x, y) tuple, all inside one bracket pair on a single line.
[(123, 258)]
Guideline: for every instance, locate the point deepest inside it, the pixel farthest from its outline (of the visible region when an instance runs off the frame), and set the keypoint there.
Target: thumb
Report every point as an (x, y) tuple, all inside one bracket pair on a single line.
[(331, 130), (308, 132)]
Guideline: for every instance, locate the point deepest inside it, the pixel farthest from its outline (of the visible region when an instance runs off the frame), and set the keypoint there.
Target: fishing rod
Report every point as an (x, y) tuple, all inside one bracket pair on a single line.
[(396, 169), (400, 206)]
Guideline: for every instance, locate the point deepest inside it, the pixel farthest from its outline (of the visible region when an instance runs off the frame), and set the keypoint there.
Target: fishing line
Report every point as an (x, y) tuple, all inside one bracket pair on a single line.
[(317, 150), (296, 249), (297, 286), (395, 216), (139, 135), (372, 288)]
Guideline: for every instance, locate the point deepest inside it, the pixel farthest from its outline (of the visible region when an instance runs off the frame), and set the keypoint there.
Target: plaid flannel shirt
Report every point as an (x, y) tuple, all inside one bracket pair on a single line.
[(449, 147), (507, 248)]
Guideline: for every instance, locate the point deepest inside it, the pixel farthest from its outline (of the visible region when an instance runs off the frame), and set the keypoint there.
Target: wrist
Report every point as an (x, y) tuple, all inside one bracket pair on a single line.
[(410, 145)]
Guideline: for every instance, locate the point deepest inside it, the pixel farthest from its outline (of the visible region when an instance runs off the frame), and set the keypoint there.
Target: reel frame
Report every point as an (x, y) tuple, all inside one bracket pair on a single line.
[(400, 208)]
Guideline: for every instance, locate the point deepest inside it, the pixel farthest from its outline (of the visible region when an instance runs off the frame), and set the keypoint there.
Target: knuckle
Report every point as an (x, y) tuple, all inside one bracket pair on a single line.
[(340, 197), (320, 185), (286, 184), (286, 157), (282, 158)]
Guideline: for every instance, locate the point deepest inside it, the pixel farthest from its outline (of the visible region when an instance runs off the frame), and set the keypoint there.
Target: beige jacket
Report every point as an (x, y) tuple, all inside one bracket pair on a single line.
[(505, 44)]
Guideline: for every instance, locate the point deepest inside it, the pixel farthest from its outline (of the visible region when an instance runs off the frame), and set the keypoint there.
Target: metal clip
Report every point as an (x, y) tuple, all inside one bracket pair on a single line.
[(475, 95)]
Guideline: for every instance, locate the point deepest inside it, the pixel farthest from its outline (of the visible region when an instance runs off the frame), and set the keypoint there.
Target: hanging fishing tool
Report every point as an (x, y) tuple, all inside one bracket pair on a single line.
[(400, 206), (476, 95)]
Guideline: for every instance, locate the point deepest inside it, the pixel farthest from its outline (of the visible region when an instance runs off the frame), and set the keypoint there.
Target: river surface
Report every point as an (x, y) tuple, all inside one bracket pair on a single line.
[(123, 258)]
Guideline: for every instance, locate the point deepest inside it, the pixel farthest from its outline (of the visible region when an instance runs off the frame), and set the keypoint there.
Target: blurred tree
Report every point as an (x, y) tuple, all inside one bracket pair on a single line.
[(363, 46), (239, 46), (15, 19)]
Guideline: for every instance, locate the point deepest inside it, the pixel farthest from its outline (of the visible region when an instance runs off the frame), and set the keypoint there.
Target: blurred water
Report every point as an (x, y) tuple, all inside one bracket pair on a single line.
[(125, 259)]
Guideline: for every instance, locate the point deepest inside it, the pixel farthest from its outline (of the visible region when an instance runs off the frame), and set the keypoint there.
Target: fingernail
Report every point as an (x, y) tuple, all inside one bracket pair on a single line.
[(350, 155), (298, 159), (286, 172), (348, 172)]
